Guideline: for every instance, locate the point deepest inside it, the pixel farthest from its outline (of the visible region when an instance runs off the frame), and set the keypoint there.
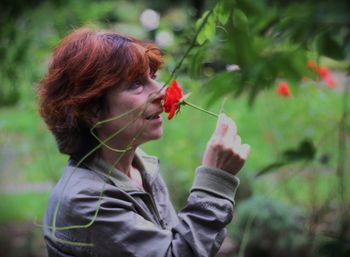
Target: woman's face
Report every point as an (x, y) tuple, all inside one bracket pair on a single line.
[(139, 105)]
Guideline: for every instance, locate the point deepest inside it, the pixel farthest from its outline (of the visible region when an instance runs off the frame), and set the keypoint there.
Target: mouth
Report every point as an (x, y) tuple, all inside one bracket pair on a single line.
[(153, 116)]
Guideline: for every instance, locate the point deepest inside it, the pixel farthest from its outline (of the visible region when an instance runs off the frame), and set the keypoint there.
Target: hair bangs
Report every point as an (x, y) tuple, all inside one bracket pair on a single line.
[(155, 57), (143, 59), (137, 62)]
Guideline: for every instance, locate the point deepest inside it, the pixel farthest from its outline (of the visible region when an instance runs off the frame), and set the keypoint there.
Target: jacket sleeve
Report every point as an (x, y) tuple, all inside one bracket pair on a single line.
[(118, 230)]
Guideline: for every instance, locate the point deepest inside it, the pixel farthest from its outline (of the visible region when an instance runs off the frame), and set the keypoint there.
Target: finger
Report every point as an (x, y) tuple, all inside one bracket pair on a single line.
[(233, 126), (237, 140), (222, 126), (244, 151), (237, 145), (231, 134)]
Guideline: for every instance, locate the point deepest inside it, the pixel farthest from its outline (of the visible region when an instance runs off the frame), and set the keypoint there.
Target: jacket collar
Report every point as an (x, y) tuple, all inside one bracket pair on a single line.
[(149, 168)]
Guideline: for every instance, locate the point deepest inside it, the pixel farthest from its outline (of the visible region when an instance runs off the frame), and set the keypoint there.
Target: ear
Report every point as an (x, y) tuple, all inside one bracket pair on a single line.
[(94, 117)]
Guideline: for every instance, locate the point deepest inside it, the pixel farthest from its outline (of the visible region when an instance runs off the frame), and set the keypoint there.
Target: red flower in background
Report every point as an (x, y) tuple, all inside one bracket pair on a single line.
[(283, 89), (327, 76), (312, 65), (330, 82), (172, 98), (323, 72)]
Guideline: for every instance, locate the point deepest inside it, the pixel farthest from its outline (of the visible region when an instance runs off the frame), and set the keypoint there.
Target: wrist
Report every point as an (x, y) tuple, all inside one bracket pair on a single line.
[(216, 181)]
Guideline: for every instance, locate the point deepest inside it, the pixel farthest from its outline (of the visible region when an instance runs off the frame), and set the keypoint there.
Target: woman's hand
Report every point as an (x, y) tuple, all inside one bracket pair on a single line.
[(224, 149)]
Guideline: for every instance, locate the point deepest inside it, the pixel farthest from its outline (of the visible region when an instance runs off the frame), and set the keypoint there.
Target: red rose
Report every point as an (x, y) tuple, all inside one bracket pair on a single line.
[(283, 89), (172, 98)]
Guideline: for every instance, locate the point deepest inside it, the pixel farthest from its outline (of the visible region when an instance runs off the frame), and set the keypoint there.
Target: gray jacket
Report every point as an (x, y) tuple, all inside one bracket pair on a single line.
[(96, 210)]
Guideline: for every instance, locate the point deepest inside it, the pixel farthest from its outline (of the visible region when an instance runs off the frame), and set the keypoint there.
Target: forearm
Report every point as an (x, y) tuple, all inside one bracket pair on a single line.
[(208, 210)]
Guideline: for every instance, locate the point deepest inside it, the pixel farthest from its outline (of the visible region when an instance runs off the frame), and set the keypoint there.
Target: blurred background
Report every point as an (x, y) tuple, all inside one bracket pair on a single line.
[(280, 69)]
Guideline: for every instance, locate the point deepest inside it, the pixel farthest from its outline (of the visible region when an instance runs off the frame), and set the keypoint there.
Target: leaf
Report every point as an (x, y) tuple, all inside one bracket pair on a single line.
[(240, 20), (305, 151), (221, 84), (222, 11), (208, 30), (201, 37)]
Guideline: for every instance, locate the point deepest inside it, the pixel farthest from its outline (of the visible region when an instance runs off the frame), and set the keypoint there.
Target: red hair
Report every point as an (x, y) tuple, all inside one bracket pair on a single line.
[(85, 65)]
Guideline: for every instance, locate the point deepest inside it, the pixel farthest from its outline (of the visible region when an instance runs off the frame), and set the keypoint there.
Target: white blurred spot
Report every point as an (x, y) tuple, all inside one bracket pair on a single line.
[(164, 38), (232, 67), (150, 19)]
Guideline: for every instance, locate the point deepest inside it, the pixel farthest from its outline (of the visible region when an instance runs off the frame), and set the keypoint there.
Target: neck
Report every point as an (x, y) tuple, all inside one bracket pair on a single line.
[(121, 161)]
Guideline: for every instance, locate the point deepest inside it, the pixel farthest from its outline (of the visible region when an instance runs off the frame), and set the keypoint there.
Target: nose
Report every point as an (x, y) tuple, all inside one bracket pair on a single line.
[(158, 91)]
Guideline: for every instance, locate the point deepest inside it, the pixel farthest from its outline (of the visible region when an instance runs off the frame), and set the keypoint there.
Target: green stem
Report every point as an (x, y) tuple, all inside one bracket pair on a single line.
[(201, 109), (193, 44)]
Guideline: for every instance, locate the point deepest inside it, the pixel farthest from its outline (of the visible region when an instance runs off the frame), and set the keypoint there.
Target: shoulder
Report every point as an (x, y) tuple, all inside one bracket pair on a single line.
[(80, 191), (79, 179), (75, 184)]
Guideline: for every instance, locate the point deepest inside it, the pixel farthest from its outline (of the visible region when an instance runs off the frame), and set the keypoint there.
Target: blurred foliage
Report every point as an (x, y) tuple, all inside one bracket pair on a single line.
[(333, 247), (268, 40), (27, 36), (266, 227), (14, 48)]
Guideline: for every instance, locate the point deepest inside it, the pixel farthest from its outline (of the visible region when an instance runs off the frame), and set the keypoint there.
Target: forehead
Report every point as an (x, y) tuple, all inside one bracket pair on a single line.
[(139, 59)]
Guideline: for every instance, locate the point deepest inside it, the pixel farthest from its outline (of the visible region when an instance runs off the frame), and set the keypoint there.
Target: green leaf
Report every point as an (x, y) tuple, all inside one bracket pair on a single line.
[(240, 20), (202, 35), (201, 38), (305, 151), (222, 11), (222, 84), (208, 29)]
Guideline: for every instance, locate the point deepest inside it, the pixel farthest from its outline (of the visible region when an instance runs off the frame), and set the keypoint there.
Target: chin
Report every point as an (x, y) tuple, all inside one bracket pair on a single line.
[(155, 135)]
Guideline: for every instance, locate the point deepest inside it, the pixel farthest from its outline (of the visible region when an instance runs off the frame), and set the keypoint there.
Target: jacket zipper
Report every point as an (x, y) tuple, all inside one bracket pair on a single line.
[(152, 206)]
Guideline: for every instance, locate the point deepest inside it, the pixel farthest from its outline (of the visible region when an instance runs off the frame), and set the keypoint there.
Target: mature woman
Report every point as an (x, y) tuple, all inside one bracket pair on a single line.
[(101, 101)]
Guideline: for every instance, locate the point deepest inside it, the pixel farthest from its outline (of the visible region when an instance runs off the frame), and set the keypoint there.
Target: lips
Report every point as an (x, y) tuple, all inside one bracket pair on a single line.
[(153, 116)]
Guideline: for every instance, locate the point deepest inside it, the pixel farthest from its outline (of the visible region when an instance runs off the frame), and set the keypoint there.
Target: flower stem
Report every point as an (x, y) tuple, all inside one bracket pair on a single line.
[(201, 109)]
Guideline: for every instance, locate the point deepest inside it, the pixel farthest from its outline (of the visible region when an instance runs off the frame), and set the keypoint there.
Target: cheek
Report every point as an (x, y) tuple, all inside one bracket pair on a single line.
[(121, 114), (127, 109)]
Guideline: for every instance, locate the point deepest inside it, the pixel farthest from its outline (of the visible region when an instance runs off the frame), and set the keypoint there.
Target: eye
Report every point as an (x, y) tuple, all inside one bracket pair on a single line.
[(153, 76), (136, 85)]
